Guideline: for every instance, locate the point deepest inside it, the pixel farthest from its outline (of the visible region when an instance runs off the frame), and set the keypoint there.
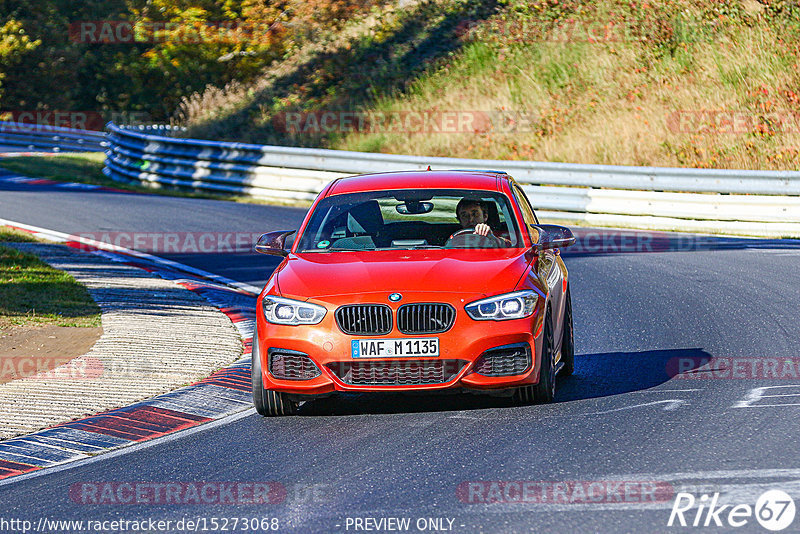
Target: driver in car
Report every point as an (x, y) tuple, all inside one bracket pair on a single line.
[(474, 214)]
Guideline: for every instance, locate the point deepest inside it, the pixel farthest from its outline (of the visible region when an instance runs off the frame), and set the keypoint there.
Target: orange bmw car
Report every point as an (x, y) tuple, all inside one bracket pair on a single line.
[(414, 281)]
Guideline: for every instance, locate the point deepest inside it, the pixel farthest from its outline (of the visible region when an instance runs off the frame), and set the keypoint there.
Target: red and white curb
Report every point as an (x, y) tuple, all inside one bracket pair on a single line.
[(224, 393)]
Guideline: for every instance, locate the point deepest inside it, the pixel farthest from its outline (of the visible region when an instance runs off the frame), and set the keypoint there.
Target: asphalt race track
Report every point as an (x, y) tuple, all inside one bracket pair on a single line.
[(623, 422)]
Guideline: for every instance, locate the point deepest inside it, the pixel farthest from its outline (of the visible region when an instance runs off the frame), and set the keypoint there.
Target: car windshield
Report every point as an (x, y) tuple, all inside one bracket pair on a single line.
[(409, 219)]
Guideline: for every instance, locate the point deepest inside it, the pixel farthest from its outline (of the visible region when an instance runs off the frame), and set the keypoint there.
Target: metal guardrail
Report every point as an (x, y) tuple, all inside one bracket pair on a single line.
[(155, 129), (36, 136), (764, 203)]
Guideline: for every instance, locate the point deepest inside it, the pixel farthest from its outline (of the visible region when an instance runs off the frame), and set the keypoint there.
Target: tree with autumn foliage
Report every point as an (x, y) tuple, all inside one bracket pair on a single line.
[(14, 43), (181, 47), (302, 16)]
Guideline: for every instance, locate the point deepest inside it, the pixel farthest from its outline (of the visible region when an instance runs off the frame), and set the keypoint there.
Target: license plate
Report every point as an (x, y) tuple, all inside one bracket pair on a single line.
[(395, 348)]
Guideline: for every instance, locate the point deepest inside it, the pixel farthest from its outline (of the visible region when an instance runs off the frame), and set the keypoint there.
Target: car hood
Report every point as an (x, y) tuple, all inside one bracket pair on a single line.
[(315, 275)]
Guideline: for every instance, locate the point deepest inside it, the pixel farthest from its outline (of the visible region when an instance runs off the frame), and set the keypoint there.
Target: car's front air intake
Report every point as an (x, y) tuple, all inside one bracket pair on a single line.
[(364, 319), (425, 318), (397, 372), (291, 365), (504, 361)]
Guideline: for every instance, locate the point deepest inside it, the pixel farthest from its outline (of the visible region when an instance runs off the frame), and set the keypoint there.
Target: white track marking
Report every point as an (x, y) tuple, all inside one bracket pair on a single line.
[(665, 390), (756, 394), (671, 404)]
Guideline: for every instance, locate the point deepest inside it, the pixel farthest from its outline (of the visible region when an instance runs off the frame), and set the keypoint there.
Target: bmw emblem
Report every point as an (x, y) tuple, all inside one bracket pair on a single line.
[(395, 297)]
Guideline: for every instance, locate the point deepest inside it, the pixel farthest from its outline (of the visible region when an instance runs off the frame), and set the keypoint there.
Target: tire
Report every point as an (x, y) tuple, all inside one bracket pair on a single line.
[(545, 390), (568, 340), (267, 402)]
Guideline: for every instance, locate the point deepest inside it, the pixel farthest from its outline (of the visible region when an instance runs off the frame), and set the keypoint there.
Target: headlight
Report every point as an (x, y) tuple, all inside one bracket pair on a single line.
[(279, 310), (503, 307)]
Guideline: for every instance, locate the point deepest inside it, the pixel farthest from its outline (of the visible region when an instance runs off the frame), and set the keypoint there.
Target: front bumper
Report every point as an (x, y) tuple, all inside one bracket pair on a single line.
[(460, 350)]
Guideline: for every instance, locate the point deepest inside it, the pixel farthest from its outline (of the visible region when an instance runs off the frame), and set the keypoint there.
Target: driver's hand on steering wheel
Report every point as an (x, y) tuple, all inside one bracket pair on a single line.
[(482, 229)]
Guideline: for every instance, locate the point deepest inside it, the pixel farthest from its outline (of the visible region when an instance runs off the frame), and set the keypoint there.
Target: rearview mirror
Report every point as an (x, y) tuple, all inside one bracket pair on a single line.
[(273, 243), (553, 236), (413, 207)]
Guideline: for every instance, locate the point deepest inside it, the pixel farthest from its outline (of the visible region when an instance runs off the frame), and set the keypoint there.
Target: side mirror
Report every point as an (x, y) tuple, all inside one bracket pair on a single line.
[(273, 242), (553, 236)]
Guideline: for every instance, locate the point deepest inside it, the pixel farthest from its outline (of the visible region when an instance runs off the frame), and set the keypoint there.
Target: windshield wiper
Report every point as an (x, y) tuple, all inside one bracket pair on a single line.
[(338, 249), (380, 249), (408, 247)]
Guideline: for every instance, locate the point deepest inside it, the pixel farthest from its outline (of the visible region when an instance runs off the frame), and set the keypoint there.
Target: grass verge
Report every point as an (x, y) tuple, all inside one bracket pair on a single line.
[(83, 167), (659, 83), (32, 292)]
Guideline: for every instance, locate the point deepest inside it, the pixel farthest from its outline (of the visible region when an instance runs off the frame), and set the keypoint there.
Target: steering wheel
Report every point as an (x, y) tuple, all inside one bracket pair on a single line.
[(467, 238)]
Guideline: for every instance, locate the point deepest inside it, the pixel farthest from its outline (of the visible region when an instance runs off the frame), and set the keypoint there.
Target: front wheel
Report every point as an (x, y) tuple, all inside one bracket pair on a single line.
[(568, 341), (545, 390), (267, 402)]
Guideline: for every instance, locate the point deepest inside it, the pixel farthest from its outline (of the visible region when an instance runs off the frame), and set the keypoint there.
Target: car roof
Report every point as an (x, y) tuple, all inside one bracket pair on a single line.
[(478, 179)]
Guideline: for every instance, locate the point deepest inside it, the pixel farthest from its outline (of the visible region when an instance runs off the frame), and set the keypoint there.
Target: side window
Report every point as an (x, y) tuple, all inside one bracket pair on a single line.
[(525, 206)]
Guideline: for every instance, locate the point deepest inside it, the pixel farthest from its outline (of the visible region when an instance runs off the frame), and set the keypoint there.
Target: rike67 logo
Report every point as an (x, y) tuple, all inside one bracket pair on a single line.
[(774, 510)]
